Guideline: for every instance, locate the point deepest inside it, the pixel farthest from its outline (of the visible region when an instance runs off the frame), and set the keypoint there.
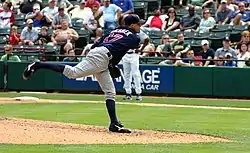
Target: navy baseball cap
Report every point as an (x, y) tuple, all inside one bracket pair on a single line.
[(132, 19)]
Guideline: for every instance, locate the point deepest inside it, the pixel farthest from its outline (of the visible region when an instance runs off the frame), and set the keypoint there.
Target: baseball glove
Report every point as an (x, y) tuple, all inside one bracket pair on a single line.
[(114, 71)]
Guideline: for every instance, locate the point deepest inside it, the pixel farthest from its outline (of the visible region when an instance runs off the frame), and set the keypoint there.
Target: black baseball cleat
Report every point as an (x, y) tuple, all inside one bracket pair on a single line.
[(29, 70), (127, 97), (138, 97), (118, 128)]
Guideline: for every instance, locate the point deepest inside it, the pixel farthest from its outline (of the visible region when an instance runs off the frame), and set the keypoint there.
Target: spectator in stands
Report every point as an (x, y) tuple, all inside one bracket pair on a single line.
[(180, 47), (241, 1), (63, 35), (111, 14), (207, 22), (220, 61), (127, 6), (92, 3), (225, 49), (171, 59), (14, 37), (71, 56), (6, 16), (191, 21), (164, 49), (231, 5), (149, 50), (245, 35), (100, 22), (224, 13), (9, 56), (29, 34), (172, 22), (247, 63), (81, 11), (206, 53), (243, 55), (86, 15), (43, 38), (230, 61), (27, 6), (59, 17), (154, 22), (51, 10), (208, 3), (38, 18), (66, 4), (188, 61), (241, 16)]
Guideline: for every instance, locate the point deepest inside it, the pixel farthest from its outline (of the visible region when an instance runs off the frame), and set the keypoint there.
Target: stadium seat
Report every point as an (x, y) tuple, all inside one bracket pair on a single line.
[(140, 8), (3, 40), (19, 24), (217, 38), (19, 17), (239, 28), (181, 12), (4, 31), (173, 34), (156, 41), (84, 38), (201, 36), (189, 35), (222, 28), (156, 34)]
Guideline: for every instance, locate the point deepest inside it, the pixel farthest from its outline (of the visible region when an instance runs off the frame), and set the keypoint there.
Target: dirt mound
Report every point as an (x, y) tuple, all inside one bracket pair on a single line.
[(26, 131)]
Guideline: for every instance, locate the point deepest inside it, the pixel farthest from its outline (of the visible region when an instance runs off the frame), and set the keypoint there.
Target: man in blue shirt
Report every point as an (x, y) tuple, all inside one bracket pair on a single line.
[(241, 16), (111, 14), (127, 6), (38, 18)]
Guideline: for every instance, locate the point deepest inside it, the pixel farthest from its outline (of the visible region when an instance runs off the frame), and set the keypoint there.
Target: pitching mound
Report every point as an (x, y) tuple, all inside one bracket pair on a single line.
[(26, 131)]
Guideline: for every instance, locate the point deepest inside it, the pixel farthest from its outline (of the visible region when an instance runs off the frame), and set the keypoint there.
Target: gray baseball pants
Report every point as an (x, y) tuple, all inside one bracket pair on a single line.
[(96, 63)]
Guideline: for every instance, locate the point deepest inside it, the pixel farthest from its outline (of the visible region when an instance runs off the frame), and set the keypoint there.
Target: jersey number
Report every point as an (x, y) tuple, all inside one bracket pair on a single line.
[(113, 37)]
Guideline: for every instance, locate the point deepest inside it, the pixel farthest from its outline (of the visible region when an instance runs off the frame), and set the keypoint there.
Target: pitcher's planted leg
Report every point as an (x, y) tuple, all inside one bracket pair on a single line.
[(106, 83)]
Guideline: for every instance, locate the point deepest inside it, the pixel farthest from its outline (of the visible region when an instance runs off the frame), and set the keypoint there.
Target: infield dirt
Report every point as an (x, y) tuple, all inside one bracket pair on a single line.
[(27, 131)]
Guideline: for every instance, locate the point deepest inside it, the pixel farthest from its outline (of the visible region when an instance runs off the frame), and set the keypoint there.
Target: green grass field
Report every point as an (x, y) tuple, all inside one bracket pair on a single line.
[(231, 124)]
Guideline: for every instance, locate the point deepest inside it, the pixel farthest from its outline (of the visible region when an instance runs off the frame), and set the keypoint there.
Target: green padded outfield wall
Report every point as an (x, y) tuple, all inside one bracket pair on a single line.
[(232, 82), (193, 81), (37, 82), (1, 75)]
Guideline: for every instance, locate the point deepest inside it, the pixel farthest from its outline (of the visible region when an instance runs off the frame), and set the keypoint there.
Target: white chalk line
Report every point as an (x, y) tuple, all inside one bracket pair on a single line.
[(131, 103)]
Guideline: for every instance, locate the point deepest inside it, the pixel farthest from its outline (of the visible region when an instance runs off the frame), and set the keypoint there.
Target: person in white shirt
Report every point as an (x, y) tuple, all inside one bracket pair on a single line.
[(243, 55), (50, 10), (86, 14), (6, 16)]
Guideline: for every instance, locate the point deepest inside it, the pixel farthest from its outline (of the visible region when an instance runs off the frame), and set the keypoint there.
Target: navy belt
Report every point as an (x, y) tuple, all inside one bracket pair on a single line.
[(130, 52), (109, 54)]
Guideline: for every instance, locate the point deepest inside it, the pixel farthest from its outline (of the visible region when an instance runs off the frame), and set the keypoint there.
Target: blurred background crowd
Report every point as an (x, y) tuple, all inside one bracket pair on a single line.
[(183, 32)]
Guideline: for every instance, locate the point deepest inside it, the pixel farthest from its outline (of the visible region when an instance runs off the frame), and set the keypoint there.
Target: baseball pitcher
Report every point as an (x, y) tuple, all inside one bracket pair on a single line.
[(101, 61)]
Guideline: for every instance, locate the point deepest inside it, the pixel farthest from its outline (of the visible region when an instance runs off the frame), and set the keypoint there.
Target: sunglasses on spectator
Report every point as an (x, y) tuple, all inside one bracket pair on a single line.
[(190, 53), (166, 38), (241, 6)]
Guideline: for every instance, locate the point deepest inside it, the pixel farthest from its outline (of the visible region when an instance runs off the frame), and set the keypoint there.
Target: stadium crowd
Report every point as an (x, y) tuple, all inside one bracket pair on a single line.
[(193, 35)]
